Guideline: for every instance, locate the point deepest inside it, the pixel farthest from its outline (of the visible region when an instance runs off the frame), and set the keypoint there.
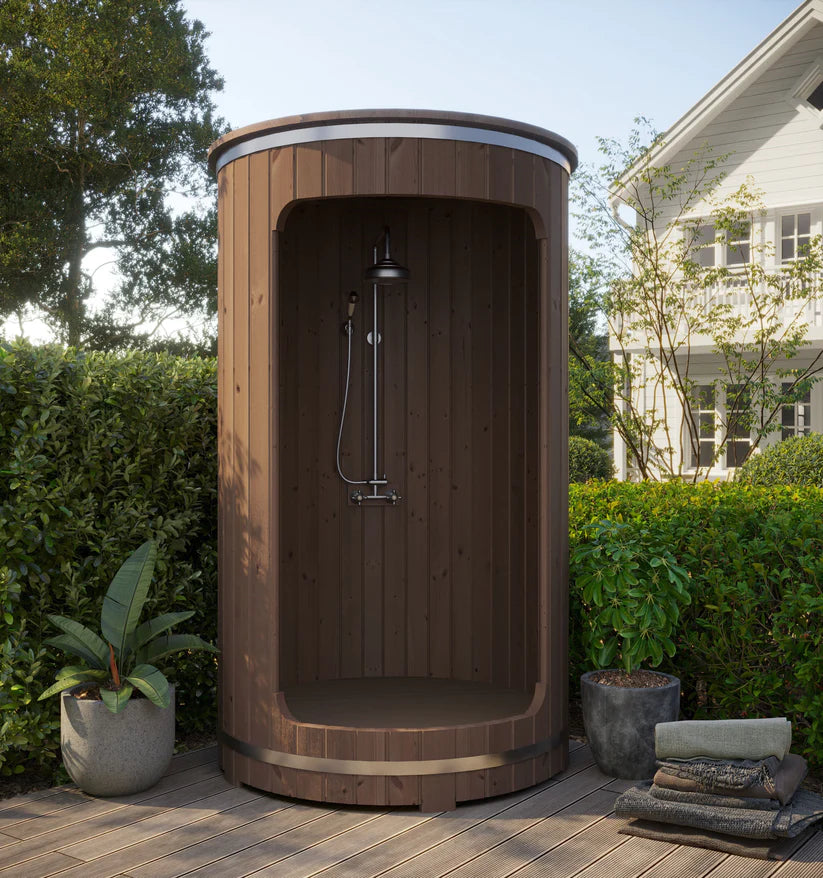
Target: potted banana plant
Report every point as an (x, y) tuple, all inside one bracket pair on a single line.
[(117, 707), (632, 590)]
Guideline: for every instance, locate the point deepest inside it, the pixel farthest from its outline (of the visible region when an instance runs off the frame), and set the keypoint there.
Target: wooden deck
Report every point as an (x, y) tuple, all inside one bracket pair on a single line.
[(194, 823)]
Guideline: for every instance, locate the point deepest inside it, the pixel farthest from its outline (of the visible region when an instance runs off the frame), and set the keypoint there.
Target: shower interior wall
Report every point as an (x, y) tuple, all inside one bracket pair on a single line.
[(444, 583)]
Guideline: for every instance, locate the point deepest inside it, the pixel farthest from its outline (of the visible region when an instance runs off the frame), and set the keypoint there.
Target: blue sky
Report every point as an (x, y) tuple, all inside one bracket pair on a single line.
[(582, 69)]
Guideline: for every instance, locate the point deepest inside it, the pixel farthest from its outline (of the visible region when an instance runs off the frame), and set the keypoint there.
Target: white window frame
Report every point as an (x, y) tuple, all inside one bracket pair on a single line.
[(721, 246), (721, 464), (802, 412), (795, 237), (799, 93)]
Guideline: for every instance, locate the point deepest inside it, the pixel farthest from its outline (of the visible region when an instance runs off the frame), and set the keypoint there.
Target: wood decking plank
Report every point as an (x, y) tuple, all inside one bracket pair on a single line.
[(106, 815), (227, 844), (504, 851), (179, 839), (267, 853), (194, 823), (203, 756)]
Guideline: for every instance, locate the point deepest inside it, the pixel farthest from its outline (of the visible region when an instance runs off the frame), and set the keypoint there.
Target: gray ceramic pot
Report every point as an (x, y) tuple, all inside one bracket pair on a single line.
[(620, 724), (109, 754)]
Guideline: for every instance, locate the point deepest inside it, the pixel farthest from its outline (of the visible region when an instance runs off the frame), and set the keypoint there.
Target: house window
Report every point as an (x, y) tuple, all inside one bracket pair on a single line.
[(706, 424), (796, 416), (704, 243), (816, 97), (795, 234), (738, 245), (738, 418)]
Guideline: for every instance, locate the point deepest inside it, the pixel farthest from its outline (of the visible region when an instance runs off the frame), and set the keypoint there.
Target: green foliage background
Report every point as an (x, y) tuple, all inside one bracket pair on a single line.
[(795, 461), (97, 454), (587, 460), (751, 642)]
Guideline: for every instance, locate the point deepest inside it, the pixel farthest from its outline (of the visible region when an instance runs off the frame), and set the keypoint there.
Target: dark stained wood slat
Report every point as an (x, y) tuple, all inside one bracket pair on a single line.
[(460, 383), (352, 250), (239, 551), (440, 513), (417, 432), (403, 746), (227, 482), (282, 183), (437, 792), (371, 745), (341, 744), (308, 160), (370, 166), (438, 172), (481, 439), (472, 173), (331, 311), (338, 168), (404, 166), (501, 174), (262, 633)]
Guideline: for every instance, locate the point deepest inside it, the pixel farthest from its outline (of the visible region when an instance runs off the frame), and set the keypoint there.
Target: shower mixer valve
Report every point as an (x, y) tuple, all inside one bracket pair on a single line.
[(391, 497)]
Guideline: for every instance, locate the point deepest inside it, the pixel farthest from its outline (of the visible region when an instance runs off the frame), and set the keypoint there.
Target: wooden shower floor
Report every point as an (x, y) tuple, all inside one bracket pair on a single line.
[(403, 702)]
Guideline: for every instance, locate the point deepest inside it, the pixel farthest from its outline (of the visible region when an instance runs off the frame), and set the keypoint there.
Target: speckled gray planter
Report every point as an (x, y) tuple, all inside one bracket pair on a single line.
[(620, 724), (109, 754)]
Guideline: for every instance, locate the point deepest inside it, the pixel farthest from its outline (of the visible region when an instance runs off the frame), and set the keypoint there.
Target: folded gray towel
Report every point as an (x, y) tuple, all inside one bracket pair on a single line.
[(805, 810), (762, 849), (724, 738), (669, 795), (768, 778)]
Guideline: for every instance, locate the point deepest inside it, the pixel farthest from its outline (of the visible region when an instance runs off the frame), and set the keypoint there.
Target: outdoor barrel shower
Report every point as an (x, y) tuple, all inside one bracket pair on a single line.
[(392, 392)]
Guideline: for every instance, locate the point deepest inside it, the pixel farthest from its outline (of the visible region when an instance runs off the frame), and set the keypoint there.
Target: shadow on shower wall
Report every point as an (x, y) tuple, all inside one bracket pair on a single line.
[(441, 584)]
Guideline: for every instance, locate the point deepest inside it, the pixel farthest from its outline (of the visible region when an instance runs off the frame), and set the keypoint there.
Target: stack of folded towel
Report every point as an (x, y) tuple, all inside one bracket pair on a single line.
[(729, 785)]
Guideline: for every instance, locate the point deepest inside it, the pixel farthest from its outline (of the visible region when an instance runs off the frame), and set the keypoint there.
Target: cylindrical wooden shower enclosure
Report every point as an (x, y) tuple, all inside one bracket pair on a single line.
[(393, 456)]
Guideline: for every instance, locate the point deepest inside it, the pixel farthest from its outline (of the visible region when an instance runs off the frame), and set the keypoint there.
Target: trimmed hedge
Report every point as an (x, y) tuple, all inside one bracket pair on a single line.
[(99, 452), (587, 460), (795, 461), (751, 642)]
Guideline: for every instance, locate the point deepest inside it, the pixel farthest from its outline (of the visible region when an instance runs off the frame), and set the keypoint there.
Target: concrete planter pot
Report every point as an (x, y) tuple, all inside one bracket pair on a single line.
[(620, 724), (109, 754)]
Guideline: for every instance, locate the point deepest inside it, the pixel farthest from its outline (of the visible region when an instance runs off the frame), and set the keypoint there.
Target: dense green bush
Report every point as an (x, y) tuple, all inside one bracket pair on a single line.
[(795, 461), (98, 453), (587, 460), (751, 642)]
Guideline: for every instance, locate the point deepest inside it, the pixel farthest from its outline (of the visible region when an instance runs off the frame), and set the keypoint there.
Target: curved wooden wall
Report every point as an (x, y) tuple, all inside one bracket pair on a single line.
[(256, 193)]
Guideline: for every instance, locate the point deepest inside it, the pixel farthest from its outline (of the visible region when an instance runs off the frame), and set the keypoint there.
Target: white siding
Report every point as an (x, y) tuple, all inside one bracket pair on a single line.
[(780, 146)]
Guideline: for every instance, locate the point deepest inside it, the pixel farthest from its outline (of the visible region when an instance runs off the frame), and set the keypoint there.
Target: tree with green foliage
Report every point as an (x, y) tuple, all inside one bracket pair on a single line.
[(664, 307), (107, 113)]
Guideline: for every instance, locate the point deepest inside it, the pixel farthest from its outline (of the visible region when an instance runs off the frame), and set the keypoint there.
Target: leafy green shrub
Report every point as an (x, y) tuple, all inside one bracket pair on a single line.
[(632, 588), (587, 460), (795, 461), (99, 452), (751, 641)]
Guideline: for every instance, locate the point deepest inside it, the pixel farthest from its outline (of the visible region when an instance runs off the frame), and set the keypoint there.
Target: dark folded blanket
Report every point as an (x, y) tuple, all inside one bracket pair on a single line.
[(789, 821), (762, 849), (689, 798), (762, 779)]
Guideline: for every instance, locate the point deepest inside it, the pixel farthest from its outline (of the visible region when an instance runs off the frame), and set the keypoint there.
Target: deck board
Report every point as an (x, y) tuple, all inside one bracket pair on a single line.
[(195, 823)]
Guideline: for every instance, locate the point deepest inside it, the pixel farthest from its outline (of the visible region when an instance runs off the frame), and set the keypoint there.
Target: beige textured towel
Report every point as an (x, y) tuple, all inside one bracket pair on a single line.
[(723, 738)]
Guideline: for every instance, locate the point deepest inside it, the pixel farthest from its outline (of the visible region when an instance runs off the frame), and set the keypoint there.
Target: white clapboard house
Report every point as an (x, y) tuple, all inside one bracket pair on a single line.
[(767, 116)]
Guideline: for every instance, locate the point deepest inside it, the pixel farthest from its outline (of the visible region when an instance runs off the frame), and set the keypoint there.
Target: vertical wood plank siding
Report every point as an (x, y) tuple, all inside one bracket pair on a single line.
[(466, 578)]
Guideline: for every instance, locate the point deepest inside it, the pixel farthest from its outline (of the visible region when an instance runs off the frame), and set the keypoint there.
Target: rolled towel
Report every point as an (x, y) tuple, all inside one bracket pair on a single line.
[(724, 738), (768, 778), (805, 810), (762, 849)]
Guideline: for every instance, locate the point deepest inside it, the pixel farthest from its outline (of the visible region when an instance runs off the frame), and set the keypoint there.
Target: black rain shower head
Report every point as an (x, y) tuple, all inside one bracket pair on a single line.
[(387, 270)]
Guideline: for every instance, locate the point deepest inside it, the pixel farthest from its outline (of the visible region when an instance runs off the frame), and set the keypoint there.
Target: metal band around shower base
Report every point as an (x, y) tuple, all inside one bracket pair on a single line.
[(360, 130), (391, 768)]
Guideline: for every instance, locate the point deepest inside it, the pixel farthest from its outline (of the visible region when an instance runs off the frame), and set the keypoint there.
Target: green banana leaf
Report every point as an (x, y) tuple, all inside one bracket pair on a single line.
[(85, 637), (170, 643), (76, 670), (151, 629), (65, 683), (116, 699), (72, 646), (152, 684), (125, 597)]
